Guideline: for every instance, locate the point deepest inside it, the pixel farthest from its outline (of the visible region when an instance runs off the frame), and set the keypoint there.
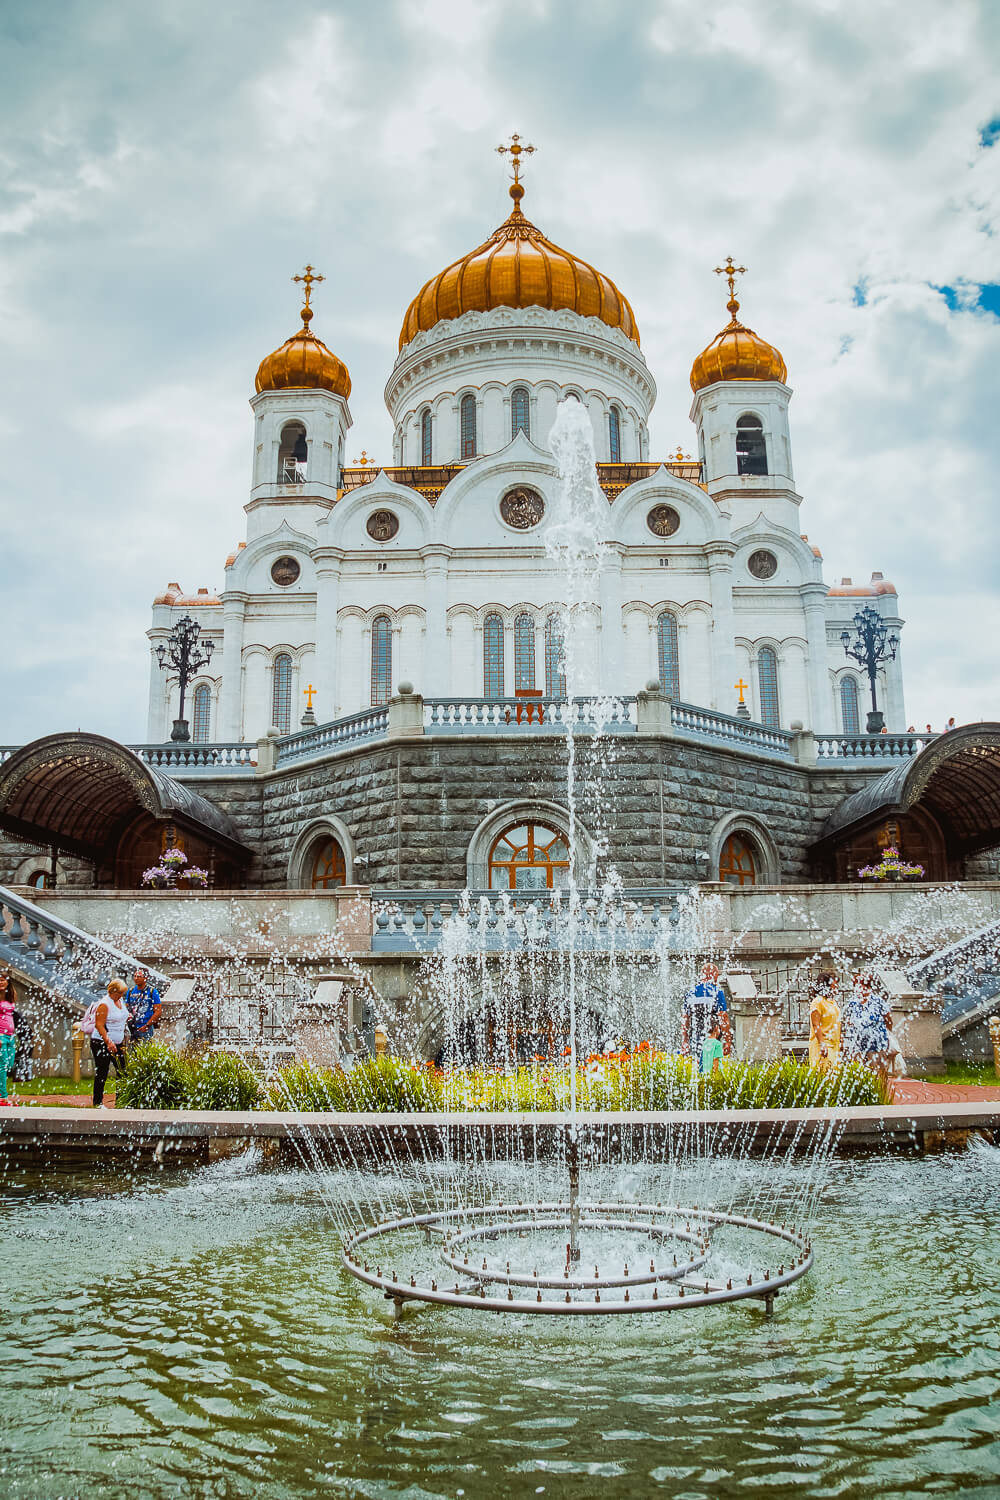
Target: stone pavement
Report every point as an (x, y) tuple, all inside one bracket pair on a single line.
[(917, 1091)]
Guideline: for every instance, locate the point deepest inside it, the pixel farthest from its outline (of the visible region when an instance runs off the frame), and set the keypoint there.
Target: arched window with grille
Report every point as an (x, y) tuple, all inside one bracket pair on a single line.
[(329, 868), (524, 654), (555, 660), (426, 438), (493, 657), (468, 424), (201, 719), (520, 415), (281, 693), (737, 864), (615, 435), (751, 449), (849, 706), (381, 659), (530, 857), (767, 678), (667, 655)]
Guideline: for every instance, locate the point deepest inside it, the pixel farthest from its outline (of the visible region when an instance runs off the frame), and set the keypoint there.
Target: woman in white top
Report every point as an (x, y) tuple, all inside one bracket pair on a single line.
[(107, 1045)]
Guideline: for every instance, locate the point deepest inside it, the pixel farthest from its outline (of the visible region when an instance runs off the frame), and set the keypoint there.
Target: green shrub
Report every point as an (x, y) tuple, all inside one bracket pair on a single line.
[(156, 1078), (378, 1085), (218, 1080)]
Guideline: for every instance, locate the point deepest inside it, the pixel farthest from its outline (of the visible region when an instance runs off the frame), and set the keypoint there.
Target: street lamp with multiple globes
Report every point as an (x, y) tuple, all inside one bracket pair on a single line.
[(872, 645), (183, 653)]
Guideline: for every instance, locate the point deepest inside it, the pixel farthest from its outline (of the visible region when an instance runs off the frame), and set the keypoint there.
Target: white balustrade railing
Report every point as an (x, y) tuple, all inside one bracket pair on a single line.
[(356, 729), (877, 747), (706, 724), (503, 715), (633, 921), (185, 755)]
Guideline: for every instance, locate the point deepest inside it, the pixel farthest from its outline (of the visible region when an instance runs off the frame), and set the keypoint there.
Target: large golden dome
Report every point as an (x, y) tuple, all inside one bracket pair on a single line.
[(737, 353), (518, 267), (304, 362)]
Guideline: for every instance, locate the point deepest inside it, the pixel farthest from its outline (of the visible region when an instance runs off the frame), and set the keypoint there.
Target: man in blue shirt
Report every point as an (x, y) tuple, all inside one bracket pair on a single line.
[(702, 1003), (143, 1001)]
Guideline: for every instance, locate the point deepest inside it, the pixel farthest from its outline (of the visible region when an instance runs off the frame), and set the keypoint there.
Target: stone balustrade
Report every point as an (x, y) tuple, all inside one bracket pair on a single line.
[(530, 715), (870, 747), (635, 921)]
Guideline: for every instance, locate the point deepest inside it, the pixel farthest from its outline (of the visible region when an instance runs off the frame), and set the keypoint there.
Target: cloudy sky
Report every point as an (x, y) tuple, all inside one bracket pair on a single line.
[(165, 169)]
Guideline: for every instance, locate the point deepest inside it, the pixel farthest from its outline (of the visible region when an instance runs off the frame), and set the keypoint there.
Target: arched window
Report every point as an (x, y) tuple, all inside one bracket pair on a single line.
[(555, 660), (329, 868), (737, 865), (493, 657), (426, 439), (615, 435), (667, 657), (468, 411), (293, 454), (520, 416), (524, 653), (751, 450), (529, 857), (767, 677), (281, 694), (381, 659), (202, 716), (849, 706)]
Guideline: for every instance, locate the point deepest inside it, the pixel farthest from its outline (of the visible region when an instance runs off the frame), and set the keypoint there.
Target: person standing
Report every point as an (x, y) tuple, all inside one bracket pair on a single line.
[(711, 1047), (824, 1023), (143, 1001), (107, 1045), (702, 1003), (8, 1038), (865, 1038)]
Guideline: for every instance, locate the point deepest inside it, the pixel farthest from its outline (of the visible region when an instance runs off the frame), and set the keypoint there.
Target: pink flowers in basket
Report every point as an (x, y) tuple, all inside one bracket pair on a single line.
[(173, 867), (891, 867)]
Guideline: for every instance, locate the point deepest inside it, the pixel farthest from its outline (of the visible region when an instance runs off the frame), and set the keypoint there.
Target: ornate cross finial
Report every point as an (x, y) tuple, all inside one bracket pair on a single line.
[(309, 279), (309, 692), (364, 461), (741, 687), (515, 151), (730, 272)]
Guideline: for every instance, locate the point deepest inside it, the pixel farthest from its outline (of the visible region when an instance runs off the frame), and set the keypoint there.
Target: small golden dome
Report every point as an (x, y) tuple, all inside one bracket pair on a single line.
[(737, 353), (518, 267), (304, 363)]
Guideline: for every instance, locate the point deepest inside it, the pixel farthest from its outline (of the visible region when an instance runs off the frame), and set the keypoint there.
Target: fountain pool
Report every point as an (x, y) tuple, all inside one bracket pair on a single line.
[(197, 1334)]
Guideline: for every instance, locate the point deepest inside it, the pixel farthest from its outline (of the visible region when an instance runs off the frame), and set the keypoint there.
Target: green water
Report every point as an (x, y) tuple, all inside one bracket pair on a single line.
[(196, 1337)]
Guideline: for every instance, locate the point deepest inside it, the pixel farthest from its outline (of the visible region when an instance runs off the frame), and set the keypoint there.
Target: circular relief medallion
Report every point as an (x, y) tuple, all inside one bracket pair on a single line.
[(382, 525), (663, 520), (762, 564), (285, 571), (522, 508)]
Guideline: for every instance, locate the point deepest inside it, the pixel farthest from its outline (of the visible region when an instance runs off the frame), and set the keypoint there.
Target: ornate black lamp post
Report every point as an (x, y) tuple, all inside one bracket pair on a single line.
[(872, 645), (182, 653)]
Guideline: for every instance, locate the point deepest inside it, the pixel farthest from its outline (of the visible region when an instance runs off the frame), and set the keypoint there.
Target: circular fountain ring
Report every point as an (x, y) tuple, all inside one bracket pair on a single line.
[(661, 1289)]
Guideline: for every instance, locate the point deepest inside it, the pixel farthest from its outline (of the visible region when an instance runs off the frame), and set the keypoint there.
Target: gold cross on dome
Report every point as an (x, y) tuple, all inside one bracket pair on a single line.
[(741, 687), (515, 151), (730, 272), (364, 461), (309, 692), (310, 278)]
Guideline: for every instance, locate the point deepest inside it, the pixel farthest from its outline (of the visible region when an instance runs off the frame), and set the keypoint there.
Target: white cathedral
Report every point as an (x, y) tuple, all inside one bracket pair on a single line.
[(433, 571)]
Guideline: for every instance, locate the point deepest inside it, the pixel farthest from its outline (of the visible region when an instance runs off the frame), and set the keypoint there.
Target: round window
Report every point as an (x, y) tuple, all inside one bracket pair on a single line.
[(663, 520), (522, 508), (382, 525), (285, 571), (762, 564)]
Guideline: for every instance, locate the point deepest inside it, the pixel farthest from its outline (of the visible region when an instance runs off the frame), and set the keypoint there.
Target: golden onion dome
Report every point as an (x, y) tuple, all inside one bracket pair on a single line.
[(304, 362), (518, 267), (737, 353)]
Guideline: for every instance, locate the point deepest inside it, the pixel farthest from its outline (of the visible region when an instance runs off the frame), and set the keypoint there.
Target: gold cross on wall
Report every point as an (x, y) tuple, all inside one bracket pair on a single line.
[(310, 278), (730, 272), (515, 151), (308, 693), (741, 687)]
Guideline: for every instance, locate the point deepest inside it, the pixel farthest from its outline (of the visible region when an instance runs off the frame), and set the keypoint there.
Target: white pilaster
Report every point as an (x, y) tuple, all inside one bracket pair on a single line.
[(612, 634), (720, 579), (437, 674), (327, 604), (814, 604), (231, 701)]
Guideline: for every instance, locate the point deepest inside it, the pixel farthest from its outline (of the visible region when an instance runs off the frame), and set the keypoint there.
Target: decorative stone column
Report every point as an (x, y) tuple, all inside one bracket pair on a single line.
[(437, 658), (820, 712), (231, 700), (612, 635), (328, 563), (723, 644)]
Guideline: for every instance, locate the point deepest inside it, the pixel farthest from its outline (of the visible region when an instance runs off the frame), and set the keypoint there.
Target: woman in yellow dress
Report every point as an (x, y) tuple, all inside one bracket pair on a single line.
[(824, 1023)]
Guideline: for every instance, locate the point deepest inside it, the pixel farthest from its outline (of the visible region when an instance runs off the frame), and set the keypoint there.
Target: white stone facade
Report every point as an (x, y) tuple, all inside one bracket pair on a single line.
[(455, 562)]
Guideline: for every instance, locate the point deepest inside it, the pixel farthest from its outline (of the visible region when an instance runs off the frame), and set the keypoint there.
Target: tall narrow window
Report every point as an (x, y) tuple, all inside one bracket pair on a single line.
[(555, 663), (667, 656), (524, 653), (202, 716), (381, 659), (751, 450), (426, 439), (468, 410), (493, 657), (520, 416), (849, 706), (615, 435), (281, 694), (767, 676)]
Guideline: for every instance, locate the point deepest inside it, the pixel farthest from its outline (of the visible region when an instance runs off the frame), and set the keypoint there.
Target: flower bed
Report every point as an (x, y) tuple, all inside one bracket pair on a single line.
[(158, 1078)]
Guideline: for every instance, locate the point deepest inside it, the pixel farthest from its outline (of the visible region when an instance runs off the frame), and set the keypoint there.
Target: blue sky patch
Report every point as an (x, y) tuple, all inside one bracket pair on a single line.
[(990, 134), (987, 300)]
